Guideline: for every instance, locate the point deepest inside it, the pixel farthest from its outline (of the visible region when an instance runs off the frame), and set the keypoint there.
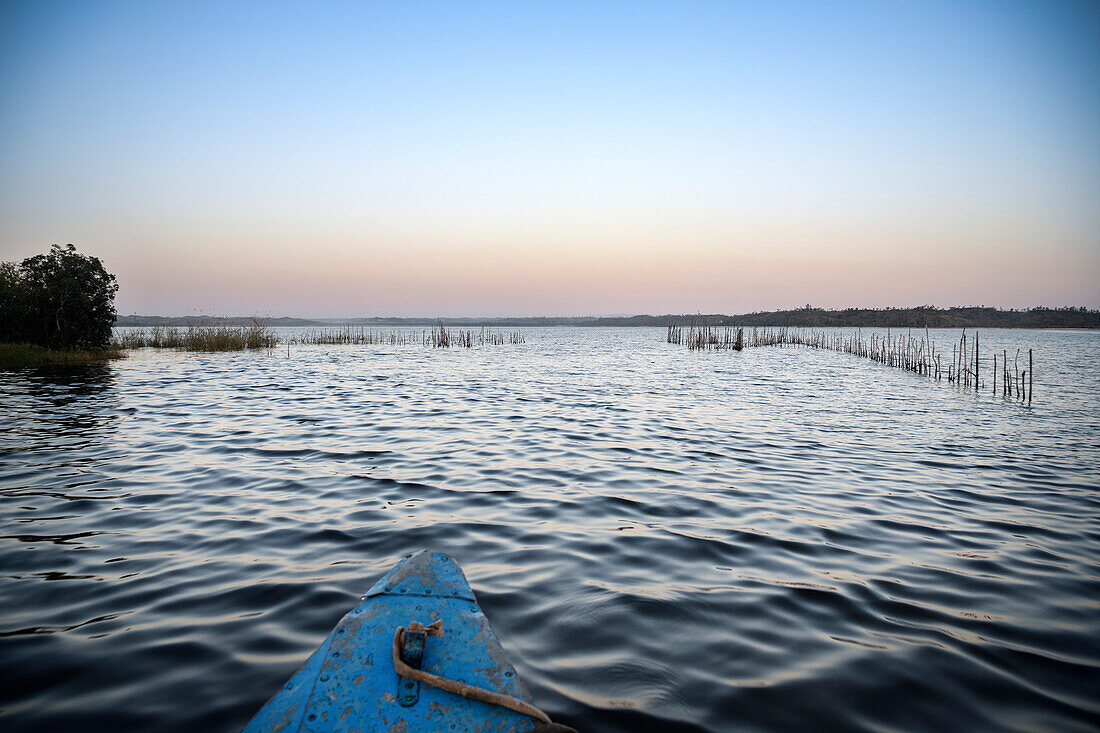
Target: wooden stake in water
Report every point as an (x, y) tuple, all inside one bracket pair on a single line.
[(1030, 376), (916, 355), (977, 384), (1018, 372)]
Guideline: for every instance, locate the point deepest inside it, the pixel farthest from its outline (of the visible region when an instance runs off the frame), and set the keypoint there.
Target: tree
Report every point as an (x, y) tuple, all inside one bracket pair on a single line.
[(68, 299), (11, 303)]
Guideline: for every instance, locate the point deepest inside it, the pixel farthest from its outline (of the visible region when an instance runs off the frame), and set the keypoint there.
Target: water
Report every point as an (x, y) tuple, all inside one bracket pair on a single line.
[(777, 539)]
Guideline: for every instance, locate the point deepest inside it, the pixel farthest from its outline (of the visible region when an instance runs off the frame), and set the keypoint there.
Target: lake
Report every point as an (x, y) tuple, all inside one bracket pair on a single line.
[(772, 539)]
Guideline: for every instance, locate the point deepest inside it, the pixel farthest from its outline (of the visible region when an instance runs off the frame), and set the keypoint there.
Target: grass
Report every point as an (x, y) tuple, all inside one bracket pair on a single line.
[(200, 338), (445, 338), (229, 338), (14, 356), (259, 336), (358, 335), (439, 336)]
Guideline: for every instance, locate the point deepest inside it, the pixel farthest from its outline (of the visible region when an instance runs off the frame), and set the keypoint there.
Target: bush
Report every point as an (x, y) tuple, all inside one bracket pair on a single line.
[(61, 299)]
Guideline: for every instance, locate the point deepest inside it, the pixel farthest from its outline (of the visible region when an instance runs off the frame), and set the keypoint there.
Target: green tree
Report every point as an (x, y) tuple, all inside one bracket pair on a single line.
[(11, 303), (68, 299)]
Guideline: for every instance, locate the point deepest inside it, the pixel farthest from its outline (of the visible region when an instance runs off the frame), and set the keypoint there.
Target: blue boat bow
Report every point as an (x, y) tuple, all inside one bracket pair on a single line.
[(350, 684)]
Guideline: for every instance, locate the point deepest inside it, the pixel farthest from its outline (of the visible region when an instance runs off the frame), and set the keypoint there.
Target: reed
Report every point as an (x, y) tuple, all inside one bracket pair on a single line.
[(257, 335), (442, 337), (200, 338), (498, 338), (357, 335), (158, 337), (229, 338), (438, 337)]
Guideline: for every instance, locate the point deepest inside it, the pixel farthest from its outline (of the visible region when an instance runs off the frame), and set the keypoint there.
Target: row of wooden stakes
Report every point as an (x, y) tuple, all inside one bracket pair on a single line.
[(915, 354)]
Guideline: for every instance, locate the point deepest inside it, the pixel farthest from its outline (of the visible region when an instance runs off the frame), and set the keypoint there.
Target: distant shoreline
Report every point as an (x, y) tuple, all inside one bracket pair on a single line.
[(931, 317)]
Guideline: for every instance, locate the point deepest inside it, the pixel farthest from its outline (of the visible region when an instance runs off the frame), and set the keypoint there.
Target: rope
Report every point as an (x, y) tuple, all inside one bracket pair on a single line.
[(457, 688)]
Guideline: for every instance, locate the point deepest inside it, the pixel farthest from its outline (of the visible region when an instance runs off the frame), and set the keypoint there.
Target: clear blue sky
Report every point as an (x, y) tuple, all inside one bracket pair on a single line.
[(326, 159)]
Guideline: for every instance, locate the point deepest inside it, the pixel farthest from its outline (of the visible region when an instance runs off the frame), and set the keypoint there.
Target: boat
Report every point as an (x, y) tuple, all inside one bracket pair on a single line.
[(417, 654)]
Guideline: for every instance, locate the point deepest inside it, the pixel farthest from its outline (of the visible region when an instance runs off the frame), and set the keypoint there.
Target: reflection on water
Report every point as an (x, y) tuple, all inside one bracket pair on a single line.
[(776, 539), (45, 404)]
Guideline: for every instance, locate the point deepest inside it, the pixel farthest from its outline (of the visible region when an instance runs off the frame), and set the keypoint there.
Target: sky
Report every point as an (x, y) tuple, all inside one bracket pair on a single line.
[(331, 159)]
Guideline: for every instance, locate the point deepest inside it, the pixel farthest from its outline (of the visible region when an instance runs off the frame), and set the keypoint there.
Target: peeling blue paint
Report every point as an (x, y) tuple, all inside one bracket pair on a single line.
[(349, 683)]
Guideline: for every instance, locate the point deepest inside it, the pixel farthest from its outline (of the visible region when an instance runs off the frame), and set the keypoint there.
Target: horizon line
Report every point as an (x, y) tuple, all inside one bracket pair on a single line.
[(621, 314)]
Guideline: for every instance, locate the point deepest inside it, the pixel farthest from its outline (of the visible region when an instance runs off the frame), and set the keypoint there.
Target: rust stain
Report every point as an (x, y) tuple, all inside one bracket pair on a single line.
[(440, 708), (495, 675), (441, 577), (357, 679), (345, 641), (284, 721), (389, 697), (399, 727), (346, 713)]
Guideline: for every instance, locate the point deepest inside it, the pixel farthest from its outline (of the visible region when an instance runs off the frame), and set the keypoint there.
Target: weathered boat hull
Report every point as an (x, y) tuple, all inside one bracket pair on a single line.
[(349, 683)]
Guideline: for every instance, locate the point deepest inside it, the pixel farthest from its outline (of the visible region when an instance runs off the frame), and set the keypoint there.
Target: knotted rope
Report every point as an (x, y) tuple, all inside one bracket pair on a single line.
[(452, 686)]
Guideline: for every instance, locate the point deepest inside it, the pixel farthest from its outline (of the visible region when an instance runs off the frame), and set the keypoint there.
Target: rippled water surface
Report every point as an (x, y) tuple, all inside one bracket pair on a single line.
[(777, 539)]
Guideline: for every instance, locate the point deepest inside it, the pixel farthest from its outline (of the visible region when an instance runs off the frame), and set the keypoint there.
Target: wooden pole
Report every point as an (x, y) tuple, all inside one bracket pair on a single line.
[(1017, 372), (977, 384), (1030, 376), (962, 358)]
